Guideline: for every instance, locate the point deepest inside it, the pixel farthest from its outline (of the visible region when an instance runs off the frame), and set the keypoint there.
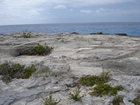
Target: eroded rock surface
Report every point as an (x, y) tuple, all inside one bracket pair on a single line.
[(73, 56)]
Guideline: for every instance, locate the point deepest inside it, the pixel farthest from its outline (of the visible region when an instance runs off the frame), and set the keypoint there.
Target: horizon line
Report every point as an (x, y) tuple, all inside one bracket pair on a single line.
[(64, 23)]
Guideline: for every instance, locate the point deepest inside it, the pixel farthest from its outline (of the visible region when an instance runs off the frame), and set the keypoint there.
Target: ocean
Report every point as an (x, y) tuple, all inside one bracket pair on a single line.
[(130, 28)]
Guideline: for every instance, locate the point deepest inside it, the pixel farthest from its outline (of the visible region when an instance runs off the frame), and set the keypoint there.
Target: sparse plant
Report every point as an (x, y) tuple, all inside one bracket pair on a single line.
[(136, 101), (104, 77), (92, 80), (26, 34), (44, 71), (50, 101), (105, 89), (117, 100), (29, 71), (75, 95)]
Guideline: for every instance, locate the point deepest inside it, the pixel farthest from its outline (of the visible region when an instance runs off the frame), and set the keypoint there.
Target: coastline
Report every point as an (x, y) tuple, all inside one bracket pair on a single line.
[(73, 56)]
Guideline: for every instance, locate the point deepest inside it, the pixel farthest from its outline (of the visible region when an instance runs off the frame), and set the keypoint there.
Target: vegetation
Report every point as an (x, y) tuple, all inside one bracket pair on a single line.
[(10, 71), (29, 71), (92, 80), (26, 34), (44, 71), (38, 50), (102, 88), (50, 101), (117, 100), (136, 101), (105, 89), (75, 95)]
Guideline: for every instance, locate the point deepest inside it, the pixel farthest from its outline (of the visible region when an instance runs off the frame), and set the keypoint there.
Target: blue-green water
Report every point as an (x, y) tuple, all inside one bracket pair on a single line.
[(129, 28)]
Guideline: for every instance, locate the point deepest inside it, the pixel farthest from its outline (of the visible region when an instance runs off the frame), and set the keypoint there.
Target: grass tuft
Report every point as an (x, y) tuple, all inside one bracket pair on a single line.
[(44, 71), (50, 101), (75, 95), (26, 34), (136, 101), (117, 100)]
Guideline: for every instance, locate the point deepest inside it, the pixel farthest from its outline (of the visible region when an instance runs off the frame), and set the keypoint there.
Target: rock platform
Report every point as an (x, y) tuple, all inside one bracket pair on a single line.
[(73, 56)]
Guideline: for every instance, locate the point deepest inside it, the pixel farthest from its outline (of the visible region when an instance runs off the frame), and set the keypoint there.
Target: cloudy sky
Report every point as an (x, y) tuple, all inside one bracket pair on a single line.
[(68, 11)]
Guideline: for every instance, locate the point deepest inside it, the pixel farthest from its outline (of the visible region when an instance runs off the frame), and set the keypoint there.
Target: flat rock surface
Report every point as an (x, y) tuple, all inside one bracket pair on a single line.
[(73, 56)]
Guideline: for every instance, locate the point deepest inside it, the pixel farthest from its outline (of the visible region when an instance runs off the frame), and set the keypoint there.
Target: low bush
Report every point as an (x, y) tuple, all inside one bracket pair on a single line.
[(105, 89), (50, 101), (75, 95), (10, 71), (29, 71), (88, 81), (136, 101), (26, 34), (38, 50), (92, 80), (117, 100)]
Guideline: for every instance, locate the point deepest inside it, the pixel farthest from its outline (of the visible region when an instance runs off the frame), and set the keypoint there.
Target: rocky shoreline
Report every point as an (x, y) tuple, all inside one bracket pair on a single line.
[(73, 56)]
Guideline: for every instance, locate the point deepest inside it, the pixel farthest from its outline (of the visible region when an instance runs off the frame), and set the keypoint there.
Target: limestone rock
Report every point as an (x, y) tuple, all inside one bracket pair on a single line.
[(73, 56)]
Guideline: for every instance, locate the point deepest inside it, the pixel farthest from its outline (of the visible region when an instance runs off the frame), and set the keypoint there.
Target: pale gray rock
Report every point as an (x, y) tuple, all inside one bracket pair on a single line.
[(87, 100), (1, 77), (73, 56)]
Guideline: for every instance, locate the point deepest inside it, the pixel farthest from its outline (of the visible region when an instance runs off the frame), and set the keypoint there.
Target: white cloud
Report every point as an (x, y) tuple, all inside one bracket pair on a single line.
[(116, 11), (101, 10), (71, 9), (86, 11), (21, 8), (60, 7)]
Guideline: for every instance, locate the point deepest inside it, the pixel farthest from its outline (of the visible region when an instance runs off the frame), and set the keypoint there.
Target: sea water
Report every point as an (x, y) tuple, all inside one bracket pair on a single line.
[(130, 28)]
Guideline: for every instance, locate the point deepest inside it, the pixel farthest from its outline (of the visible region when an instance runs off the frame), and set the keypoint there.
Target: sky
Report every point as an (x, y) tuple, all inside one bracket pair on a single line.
[(68, 11)]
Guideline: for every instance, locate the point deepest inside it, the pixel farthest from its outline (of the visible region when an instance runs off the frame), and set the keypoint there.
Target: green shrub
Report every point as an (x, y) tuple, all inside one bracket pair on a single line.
[(88, 81), (92, 80), (117, 100), (105, 89), (136, 101), (26, 34), (29, 71), (38, 50), (50, 101), (10, 71), (75, 95)]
